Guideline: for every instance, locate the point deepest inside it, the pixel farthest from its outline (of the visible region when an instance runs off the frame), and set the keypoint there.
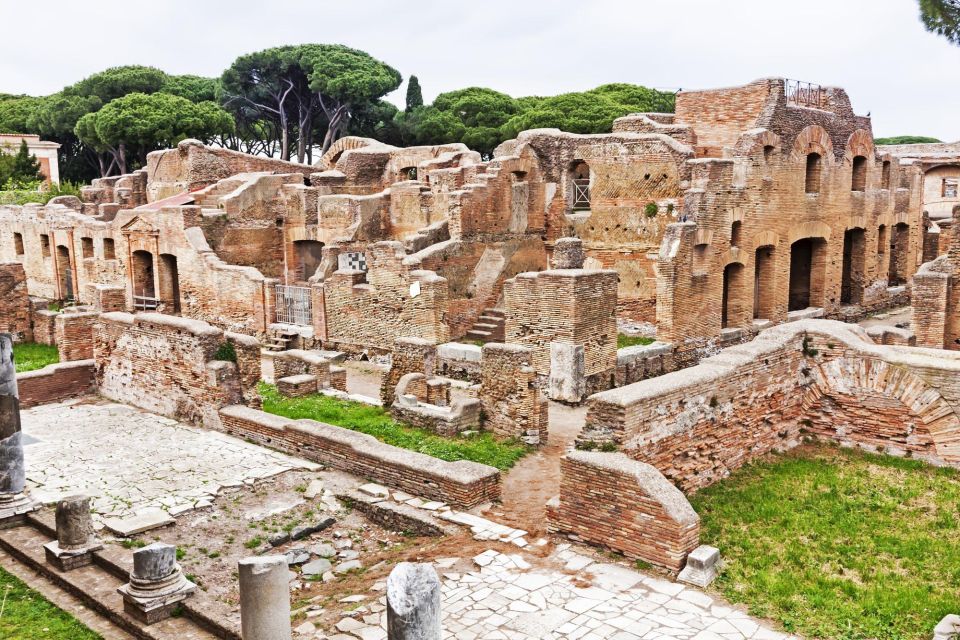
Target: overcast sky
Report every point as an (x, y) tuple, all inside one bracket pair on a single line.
[(877, 49)]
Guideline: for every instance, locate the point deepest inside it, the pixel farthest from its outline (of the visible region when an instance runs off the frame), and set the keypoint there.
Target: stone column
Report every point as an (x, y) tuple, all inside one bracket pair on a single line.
[(413, 602), (264, 598), (156, 584), (13, 503), (76, 540)]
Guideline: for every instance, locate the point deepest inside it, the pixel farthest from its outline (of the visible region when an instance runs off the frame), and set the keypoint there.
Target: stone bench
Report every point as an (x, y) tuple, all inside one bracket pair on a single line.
[(297, 386)]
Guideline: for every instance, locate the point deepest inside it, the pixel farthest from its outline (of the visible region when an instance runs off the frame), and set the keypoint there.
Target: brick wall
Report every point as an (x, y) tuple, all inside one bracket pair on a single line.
[(74, 335), (812, 377), (626, 506), (409, 355), (56, 382), (165, 364), (572, 306), (462, 483), (510, 395), (390, 300), (14, 302)]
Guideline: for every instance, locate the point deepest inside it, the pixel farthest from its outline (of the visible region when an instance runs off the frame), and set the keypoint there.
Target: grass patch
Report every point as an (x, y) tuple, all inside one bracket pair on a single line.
[(30, 355), (624, 340), (836, 543), (27, 615), (375, 421)]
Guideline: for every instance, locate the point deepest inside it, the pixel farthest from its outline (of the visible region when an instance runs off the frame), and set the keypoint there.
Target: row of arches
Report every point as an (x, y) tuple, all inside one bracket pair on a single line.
[(808, 274), (155, 283)]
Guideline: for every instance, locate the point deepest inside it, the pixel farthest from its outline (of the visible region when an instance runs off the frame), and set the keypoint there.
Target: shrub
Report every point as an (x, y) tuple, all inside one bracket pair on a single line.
[(226, 352), (651, 209)]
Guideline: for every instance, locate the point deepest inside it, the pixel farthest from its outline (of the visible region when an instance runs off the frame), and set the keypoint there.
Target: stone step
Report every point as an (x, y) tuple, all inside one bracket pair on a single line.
[(473, 334), (486, 326), (492, 320), (496, 313)]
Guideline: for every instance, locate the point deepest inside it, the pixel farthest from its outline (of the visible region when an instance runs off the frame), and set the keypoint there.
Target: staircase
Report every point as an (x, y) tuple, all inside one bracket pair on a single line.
[(278, 339), (489, 327)]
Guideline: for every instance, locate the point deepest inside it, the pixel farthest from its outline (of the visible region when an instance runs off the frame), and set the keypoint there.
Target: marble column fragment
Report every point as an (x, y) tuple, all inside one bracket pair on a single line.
[(76, 540), (157, 584), (413, 602), (13, 503), (264, 598)]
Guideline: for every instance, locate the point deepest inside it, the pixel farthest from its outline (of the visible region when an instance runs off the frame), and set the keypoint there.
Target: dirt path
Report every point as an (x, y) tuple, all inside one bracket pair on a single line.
[(536, 478)]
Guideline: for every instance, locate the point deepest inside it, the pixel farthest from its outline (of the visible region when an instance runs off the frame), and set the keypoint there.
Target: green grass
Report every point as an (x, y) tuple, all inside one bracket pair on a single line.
[(30, 355), (837, 543), (27, 615), (375, 421), (624, 340)]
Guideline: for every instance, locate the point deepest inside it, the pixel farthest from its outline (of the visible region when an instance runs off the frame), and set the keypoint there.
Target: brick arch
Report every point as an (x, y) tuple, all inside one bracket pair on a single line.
[(808, 230), (753, 142), (733, 255), (812, 139), (857, 222), (329, 159), (860, 143), (936, 427), (766, 239)]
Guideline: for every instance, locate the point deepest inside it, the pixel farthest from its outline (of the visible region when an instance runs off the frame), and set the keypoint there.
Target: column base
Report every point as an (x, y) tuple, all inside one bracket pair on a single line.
[(69, 560)]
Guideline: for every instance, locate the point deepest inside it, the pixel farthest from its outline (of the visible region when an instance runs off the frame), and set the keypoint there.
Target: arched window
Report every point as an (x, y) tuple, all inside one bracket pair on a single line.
[(580, 179), (882, 239), (109, 251), (735, 233), (885, 179), (18, 243), (859, 179), (812, 182), (768, 152)]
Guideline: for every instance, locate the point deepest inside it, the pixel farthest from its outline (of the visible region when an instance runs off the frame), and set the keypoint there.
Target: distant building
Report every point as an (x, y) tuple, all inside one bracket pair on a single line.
[(45, 152)]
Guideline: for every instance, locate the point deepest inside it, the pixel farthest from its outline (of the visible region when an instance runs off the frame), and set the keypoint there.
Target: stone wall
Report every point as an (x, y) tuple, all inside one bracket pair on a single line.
[(14, 302), (74, 335), (627, 506), (56, 383), (165, 364), (644, 361), (812, 377), (510, 396), (462, 484), (409, 355)]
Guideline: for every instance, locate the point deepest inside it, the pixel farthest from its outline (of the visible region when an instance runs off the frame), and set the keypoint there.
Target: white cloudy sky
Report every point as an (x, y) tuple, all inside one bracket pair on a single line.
[(876, 49)]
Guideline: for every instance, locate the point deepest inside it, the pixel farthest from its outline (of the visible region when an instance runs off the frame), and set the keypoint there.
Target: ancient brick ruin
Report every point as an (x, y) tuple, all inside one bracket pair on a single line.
[(740, 238)]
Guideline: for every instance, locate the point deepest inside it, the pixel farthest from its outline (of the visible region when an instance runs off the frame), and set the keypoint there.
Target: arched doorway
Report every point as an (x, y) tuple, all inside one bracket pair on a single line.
[(853, 276), (65, 273), (732, 308), (763, 283), (308, 255), (899, 246), (169, 280), (808, 262), (141, 273)]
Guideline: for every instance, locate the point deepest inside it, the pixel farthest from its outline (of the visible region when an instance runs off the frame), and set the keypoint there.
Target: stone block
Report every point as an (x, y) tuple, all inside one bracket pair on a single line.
[(701, 567), (567, 365), (948, 628), (139, 523), (297, 386)]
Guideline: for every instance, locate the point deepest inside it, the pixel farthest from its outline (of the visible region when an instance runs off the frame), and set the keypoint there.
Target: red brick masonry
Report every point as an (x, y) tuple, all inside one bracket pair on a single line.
[(463, 484), (56, 382), (625, 505)]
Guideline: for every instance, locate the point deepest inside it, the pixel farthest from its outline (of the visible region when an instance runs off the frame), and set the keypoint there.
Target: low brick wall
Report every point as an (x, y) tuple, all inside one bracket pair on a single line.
[(463, 484), (644, 361), (610, 500), (812, 377), (74, 335), (56, 382)]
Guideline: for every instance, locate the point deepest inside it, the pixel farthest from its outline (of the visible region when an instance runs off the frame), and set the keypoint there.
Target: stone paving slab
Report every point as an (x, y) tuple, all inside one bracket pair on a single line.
[(133, 462), (505, 598)]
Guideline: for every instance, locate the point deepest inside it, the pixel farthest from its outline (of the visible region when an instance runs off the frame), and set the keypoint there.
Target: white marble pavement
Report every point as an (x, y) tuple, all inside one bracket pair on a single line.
[(130, 461)]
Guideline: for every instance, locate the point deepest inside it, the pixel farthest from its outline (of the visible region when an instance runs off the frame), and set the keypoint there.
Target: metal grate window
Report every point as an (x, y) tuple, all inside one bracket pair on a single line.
[(293, 305), (581, 193)]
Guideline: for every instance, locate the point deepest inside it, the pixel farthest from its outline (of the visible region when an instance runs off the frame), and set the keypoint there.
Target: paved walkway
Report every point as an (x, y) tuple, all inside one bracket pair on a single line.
[(130, 461), (502, 597)]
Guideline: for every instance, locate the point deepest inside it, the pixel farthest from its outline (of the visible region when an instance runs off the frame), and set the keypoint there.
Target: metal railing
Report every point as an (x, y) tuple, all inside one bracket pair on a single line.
[(145, 303), (805, 94), (581, 193), (293, 305)]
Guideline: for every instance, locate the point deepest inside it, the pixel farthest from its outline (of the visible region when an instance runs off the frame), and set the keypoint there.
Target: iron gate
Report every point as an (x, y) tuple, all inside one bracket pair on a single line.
[(293, 305)]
